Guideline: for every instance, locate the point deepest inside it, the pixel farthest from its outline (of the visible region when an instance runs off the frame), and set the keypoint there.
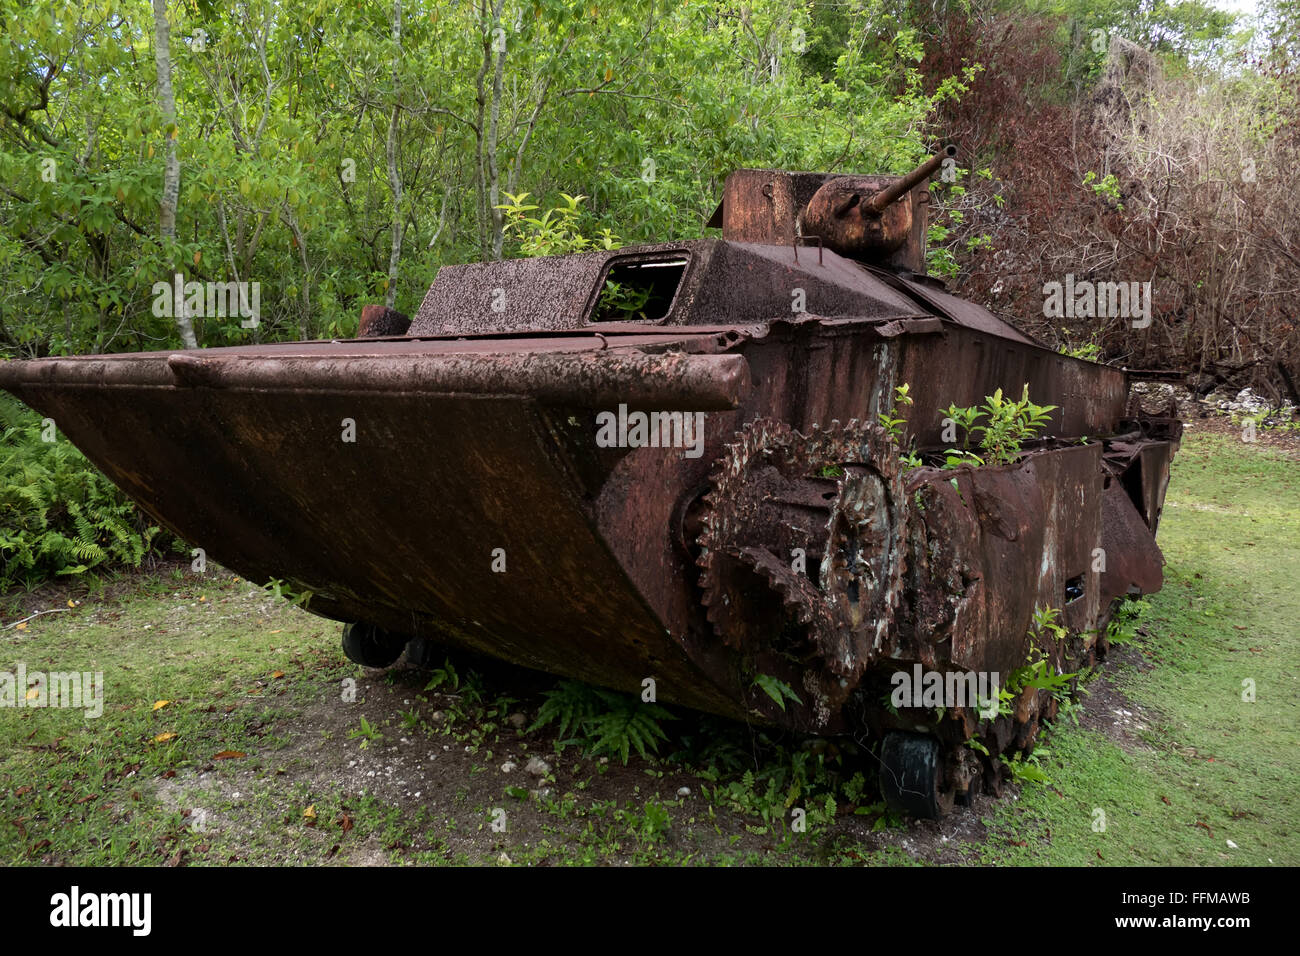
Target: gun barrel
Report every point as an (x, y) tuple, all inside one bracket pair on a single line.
[(891, 194)]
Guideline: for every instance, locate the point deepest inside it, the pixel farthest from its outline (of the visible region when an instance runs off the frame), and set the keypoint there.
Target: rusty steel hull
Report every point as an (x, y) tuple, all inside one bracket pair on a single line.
[(775, 555), (476, 507)]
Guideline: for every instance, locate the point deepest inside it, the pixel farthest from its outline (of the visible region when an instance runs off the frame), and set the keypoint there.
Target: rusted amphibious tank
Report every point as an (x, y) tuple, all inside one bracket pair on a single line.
[(663, 462)]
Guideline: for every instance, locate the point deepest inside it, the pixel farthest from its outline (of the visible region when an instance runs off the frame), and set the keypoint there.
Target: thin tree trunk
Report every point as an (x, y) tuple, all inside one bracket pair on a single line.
[(494, 131), (172, 167), (480, 102), (304, 325), (394, 178)]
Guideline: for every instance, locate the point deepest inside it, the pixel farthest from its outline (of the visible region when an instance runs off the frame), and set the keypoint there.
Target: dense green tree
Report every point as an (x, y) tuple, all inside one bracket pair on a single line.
[(339, 153)]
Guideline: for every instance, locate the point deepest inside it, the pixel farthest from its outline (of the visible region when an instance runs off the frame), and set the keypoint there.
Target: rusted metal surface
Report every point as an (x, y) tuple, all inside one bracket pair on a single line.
[(886, 197), (860, 217), (572, 371), (763, 523), (722, 283)]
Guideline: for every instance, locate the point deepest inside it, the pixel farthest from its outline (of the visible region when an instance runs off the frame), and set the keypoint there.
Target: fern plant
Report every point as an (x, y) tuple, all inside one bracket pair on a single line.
[(605, 722), (58, 513)]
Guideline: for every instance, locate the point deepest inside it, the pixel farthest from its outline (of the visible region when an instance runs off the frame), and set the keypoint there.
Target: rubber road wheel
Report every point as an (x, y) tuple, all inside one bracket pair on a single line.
[(370, 646), (424, 653), (911, 774)]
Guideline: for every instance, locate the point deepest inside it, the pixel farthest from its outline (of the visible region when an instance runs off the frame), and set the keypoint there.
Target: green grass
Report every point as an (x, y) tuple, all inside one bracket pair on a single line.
[(1227, 768), (86, 790)]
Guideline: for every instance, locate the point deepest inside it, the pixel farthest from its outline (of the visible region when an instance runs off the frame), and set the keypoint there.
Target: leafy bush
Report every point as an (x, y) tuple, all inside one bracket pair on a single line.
[(556, 232), (58, 513)]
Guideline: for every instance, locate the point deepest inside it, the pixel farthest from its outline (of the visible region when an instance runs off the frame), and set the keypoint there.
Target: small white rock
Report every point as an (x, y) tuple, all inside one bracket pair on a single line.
[(537, 767), (508, 766), (683, 791), (1233, 845)]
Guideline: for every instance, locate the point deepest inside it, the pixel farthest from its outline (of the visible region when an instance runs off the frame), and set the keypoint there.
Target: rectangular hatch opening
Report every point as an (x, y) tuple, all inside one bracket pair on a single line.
[(639, 290)]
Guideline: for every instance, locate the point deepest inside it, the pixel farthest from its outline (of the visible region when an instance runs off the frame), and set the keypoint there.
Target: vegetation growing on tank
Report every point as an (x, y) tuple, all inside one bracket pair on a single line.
[(1089, 351), (778, 690), (892, 421), (1038, 672), (619, 302), (894, 425), (999, 429), (1008, 424)]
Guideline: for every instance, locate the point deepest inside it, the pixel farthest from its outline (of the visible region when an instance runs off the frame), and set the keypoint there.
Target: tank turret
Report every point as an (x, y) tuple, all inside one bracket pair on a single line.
[(881, 220)]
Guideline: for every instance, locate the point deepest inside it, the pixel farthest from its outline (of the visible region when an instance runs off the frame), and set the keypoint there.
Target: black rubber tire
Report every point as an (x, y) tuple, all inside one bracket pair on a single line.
[(424, 653), (371, 646), (911, 775)]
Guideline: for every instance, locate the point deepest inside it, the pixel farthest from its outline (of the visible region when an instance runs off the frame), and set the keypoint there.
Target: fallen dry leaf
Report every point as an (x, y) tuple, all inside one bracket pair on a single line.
[(345, 823), (21, 627), (229, 755), (277, 675), (164, 737), (160, 704), (310, 812)]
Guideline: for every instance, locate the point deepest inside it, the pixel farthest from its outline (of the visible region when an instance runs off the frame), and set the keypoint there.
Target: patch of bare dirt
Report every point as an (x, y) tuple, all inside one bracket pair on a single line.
[(1107, 710)]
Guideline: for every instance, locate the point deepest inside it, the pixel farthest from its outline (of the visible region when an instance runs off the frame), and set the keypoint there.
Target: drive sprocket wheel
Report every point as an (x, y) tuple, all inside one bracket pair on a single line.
[(834, 497)]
